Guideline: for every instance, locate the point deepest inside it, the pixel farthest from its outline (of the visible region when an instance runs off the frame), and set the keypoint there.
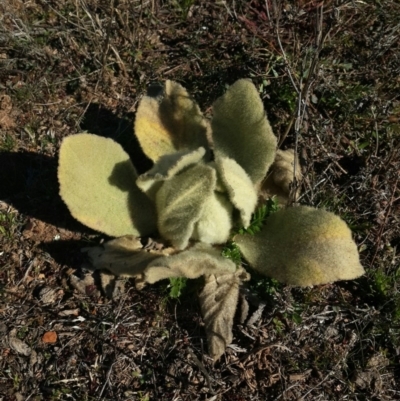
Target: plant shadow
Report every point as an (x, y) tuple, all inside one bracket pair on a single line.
[(28, 182)]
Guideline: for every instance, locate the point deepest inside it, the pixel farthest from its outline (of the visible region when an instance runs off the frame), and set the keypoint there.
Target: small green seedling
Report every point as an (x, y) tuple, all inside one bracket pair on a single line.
[(206, 181)]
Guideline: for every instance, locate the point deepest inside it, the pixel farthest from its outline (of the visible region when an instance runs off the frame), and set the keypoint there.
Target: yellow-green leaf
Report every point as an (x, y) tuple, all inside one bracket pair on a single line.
[(180, 203), (97, 183), (165, 168), (170, 122), (241, 131), (240, 188), (215, 222), (303, 246)]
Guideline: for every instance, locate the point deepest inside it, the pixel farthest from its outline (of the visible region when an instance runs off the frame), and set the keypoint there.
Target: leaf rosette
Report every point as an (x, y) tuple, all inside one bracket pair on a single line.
[(206, 181)]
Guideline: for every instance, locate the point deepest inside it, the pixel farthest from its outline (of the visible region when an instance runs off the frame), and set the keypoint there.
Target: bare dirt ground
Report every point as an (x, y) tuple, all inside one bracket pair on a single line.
[(328, 73)]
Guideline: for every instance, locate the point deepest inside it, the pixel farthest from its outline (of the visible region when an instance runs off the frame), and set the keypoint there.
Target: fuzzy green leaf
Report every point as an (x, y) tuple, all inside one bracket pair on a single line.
[(166, 167), (215, 222), (240, 188), (218, 301), (97, 183), (303, 246), (122, 256), (170, 122), (181, 201), (197, 261), (241, 131)]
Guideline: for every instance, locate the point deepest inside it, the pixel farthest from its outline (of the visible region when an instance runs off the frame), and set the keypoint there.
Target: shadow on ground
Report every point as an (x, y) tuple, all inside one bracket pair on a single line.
[(28, 181)]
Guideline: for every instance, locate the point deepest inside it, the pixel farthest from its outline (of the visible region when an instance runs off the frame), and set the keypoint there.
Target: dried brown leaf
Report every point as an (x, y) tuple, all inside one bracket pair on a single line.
[(18, 345), (122, 256), (281, 176), (218, 301), (202, 259), (85, 285)]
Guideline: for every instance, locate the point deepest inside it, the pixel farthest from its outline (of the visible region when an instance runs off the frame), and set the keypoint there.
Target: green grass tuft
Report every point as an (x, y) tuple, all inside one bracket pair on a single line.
[(176, 286)]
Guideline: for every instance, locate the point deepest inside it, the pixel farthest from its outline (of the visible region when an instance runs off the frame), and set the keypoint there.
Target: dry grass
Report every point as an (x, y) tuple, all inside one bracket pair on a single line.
[(329, 75)]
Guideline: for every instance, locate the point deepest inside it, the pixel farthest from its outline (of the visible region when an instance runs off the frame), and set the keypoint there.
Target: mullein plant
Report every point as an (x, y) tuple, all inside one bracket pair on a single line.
[(208, 179)]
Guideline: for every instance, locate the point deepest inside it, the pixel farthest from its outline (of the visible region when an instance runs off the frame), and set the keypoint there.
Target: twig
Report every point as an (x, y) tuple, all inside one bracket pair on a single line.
[(204, 371), (388, 210), (298, 116), (326, 151), (283, 51), (107, 380)]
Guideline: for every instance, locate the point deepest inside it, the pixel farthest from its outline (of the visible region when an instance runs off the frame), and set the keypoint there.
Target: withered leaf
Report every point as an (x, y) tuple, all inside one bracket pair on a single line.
[(122, 256), (280, 177), (218, 301), (18, 345), (201, 259)]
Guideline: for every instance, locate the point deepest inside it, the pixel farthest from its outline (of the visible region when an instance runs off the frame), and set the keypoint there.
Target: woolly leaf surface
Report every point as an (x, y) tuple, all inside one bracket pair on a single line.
[(180, 203), (166, 167), (197, 261), (215, 222), (303, 246), (241, 131), (170, 122), (97, 183), (218, 301), (280, 177), (239, 186)]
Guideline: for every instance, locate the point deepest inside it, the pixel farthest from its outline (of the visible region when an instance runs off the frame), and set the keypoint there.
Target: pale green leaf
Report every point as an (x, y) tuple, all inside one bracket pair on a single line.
[(201, 259), (303, 246), (180, 203), (280, 177), (166, 167), (218, 301), (241, 131), (97, 183), (239, 186), (122, 256), (215, 222), (170, 122)]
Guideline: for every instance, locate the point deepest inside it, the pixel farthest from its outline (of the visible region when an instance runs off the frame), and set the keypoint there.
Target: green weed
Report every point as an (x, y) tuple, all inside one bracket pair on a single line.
[(8, 224), (16, 381), (264, 286), (184, 6), (8, 143), (259, 217), (287, 97), (380, 283), (23, 93), (279, 325), (232, 251), (22, 332), (176, 286)]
